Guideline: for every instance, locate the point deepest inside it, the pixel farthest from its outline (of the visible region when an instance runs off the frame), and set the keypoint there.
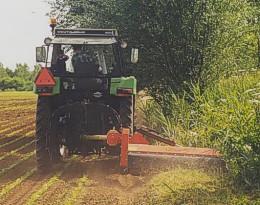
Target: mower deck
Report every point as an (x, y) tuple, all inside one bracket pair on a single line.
[(147, 158), (136, 150), (172, 150)]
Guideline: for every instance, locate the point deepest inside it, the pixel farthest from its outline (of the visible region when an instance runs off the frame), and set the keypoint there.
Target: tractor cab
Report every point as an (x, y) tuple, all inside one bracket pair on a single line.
[(78, 56), (90, 53)]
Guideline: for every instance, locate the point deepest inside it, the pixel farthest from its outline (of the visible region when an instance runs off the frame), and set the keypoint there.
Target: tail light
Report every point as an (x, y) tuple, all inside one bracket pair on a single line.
[(124, 91)]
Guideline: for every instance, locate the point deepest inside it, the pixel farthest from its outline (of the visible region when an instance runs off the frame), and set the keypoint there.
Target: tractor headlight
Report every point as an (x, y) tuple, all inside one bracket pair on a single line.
[(47, 41)]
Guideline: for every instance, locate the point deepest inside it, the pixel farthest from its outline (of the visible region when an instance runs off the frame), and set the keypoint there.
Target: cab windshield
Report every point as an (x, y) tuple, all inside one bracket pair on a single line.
[(89, 60)]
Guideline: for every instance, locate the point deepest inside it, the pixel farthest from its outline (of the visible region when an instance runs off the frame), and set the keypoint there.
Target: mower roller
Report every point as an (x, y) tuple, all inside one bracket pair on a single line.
[(86, 101)]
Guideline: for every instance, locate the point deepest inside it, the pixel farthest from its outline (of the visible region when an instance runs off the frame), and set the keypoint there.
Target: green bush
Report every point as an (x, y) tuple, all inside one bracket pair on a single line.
[(21, 79), (15, 83), (225, 116)]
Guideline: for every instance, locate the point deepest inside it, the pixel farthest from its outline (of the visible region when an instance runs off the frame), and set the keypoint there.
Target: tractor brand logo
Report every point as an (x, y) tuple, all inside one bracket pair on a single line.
[(90, 32), (71, 32)]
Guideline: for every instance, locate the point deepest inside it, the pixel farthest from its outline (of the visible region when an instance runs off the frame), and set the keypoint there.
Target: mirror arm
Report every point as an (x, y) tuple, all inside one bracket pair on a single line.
[(47, 56)]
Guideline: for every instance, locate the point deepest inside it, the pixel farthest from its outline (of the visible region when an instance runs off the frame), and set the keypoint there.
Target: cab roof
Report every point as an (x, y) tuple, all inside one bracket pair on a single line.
[(85, 36), (86, 32)]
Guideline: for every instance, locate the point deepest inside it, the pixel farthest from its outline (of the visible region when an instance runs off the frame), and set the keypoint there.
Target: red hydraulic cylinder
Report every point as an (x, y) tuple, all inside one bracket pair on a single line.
[(123, 139), (124, 148)]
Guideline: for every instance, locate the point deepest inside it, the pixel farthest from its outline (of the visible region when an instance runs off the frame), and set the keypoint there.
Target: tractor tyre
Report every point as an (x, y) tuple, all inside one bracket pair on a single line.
[(127, 112), (44, 153)]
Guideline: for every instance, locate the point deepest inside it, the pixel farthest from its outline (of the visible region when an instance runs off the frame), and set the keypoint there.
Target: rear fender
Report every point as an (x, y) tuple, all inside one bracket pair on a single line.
[(124, 86)]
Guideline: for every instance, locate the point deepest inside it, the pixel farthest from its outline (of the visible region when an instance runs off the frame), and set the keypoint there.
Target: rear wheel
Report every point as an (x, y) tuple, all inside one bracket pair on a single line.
[(44, 152), (127, 112)]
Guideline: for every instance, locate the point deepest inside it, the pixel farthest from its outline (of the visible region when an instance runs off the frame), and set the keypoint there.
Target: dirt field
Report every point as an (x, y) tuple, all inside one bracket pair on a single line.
[(76, 181)]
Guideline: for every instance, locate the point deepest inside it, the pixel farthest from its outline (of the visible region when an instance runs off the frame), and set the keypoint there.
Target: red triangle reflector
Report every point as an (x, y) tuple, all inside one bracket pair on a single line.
[(45, 78)]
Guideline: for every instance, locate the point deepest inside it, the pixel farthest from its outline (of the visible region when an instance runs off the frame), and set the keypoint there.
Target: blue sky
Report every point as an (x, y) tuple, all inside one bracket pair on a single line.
[(24, 25)]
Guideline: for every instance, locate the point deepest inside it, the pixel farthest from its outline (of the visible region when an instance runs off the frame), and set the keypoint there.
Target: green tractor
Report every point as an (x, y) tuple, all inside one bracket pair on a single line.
[(83, 92)]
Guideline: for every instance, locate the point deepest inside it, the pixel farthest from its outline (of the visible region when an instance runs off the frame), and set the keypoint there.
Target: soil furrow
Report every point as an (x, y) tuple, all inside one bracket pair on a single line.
[(23, 129), (18, 161), (48, 184), (17, 171), (17, 139), (59, 191), (8, 161), (20, 148), (19, 116), (11, 130), (8, 188), (85, 181)]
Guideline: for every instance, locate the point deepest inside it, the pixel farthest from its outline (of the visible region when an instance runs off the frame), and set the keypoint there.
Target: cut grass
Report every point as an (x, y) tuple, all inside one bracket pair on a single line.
[(183, 186)]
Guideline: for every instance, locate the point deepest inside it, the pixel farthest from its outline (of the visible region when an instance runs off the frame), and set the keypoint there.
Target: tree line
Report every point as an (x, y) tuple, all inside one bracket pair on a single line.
[(20, 79)]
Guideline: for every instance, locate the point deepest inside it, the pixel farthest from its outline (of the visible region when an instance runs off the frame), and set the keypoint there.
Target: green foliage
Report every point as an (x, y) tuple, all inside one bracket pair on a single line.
[(22, 71), (11, 83), (164, 30), (182, 186), (3, 72), (182, 42), (225, 116), (21, 79), (234, 42)]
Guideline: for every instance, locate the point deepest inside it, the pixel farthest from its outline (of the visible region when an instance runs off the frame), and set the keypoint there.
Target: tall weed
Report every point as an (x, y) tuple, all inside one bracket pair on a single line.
[(225, 116)]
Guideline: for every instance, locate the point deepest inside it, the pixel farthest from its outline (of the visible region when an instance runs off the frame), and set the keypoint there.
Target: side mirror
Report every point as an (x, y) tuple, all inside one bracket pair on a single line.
[(134, 55), (40, 54)]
